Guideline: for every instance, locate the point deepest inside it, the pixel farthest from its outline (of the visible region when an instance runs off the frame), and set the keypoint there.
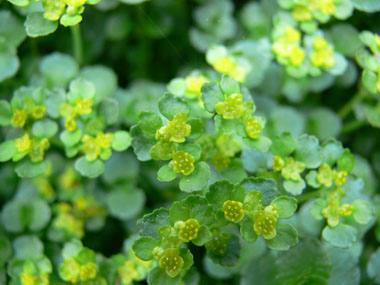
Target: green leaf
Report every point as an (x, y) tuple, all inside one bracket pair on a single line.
[(261, 144), (149, 123), (373, 266), (341, 236), (346, 161), (178, 212), (343, 34), (5, 250), (286, 206), (330, 151), (229, 85), (203, 236), (369, 6), (5, 113), (11, 29), (306, 263), (294, 187), (143, 247), (89, 169), (12, 216), (219, 192), (45, 128), (362, 212), (283, 145), (71, 138), (286, 237), (166, 173), (169, 106), (247, 231), (373, 116), (158, 276), (267, 187), (121, 140), (9, 64), (211, 95), (308, 151), (58, 69), (40, 214), (141, 144), (194, 149), (36, 25), (104, 80), (125, 203), (197, 180), (70, 20), (28, 169), (177, 86), (109, 110), (323, 123), (312, 179), (81, 88), (7, 150), (28, 246), (151, 223), (369, 79)]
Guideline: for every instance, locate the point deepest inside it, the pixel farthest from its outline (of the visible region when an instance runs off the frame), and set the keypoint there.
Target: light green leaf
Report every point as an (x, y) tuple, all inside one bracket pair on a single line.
[(247, 231), (45, 128), (36, 25), (283, 145), (341, 236), (229, 85), (197, 180), (28, 169), (7, 150), (211, 95), (89, 169), (5, 113), (125, 203), (121, 140), (166, 173), (71, 138), (169, 106), (58, 69), (308, 151), (369, 6), (149, 123), (294, 187), (143, 247), (109, 110), (203, 236), (286, 206), (362, 212), (346, 161), (286, 237), (158, 276), (267, 187), (261, 144)]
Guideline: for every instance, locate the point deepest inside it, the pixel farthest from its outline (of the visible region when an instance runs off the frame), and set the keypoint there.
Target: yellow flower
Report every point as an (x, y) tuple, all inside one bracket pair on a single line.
[(27, 279), (301, 14), (187, 230), (90, 147), (339, 177), (327, 7), (76, 3), (53, 9), (128, 272), (224, 64), (233, 211), (172, 262), (293, 169), (220, 161), (67, 110), (194, 85), (278, 163), (265, 222), (38, 112), (325, 175), (378, 80), (291, 35), (70, 270), (253, 128), (319, 43), (24, 143), (83, 106), (183, 162), (103, 140), (19, 118), (88, 271), (297, 56), (176, 130), (231, 108)]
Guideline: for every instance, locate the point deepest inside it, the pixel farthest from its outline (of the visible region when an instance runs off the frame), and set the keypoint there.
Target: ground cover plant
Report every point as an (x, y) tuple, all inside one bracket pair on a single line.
[(189, 142)]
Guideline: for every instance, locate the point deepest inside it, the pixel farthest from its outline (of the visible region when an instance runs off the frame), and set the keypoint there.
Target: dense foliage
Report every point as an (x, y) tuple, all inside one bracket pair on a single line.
[(189, 142)]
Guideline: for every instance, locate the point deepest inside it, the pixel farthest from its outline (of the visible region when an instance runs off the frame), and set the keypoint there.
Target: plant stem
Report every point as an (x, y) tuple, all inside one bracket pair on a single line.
[(346, 109), (308, 196), (77, 43), (351, 126)]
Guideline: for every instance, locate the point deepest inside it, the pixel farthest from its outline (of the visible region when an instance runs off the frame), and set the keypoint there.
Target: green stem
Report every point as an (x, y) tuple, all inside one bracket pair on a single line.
[(346, 109), (308, 196), (352, 126), (77, 43)]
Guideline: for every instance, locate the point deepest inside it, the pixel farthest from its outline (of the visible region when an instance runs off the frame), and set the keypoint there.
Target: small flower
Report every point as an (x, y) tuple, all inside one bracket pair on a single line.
[(334, 211), (323, 54), (253, 128), (233, 211), (194, 85), (232, 108), (252, 202), (339, 177), (220, 161), (176, 130), (88, 271), (128, 272), (27, 279), (183, 162), (90, 148), (325, 175), (24, 143), (38, 112), (187, 230), (218, 244), (53, 9), (292, 169), (103, 140), (19, 118), (301, 14), (83, 106), (228, 145), (265, 222), (278, 163), (70, 270), (70, 124), (172, 262)]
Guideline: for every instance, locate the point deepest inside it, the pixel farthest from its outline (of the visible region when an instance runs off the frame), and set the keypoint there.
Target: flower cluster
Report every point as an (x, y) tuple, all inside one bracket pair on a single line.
[(224, 62)]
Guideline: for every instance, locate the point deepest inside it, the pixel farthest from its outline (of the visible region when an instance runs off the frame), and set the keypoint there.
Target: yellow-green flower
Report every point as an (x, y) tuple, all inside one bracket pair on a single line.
[(265, 222), (187, 230), (253, 128), (19, 118), (176, 130), (88, 271), (339, 177), (325, 175), (24, 143), (278, 163), (172, 262), (292, 169), (232, 108), (233, 211), (183, 162)]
